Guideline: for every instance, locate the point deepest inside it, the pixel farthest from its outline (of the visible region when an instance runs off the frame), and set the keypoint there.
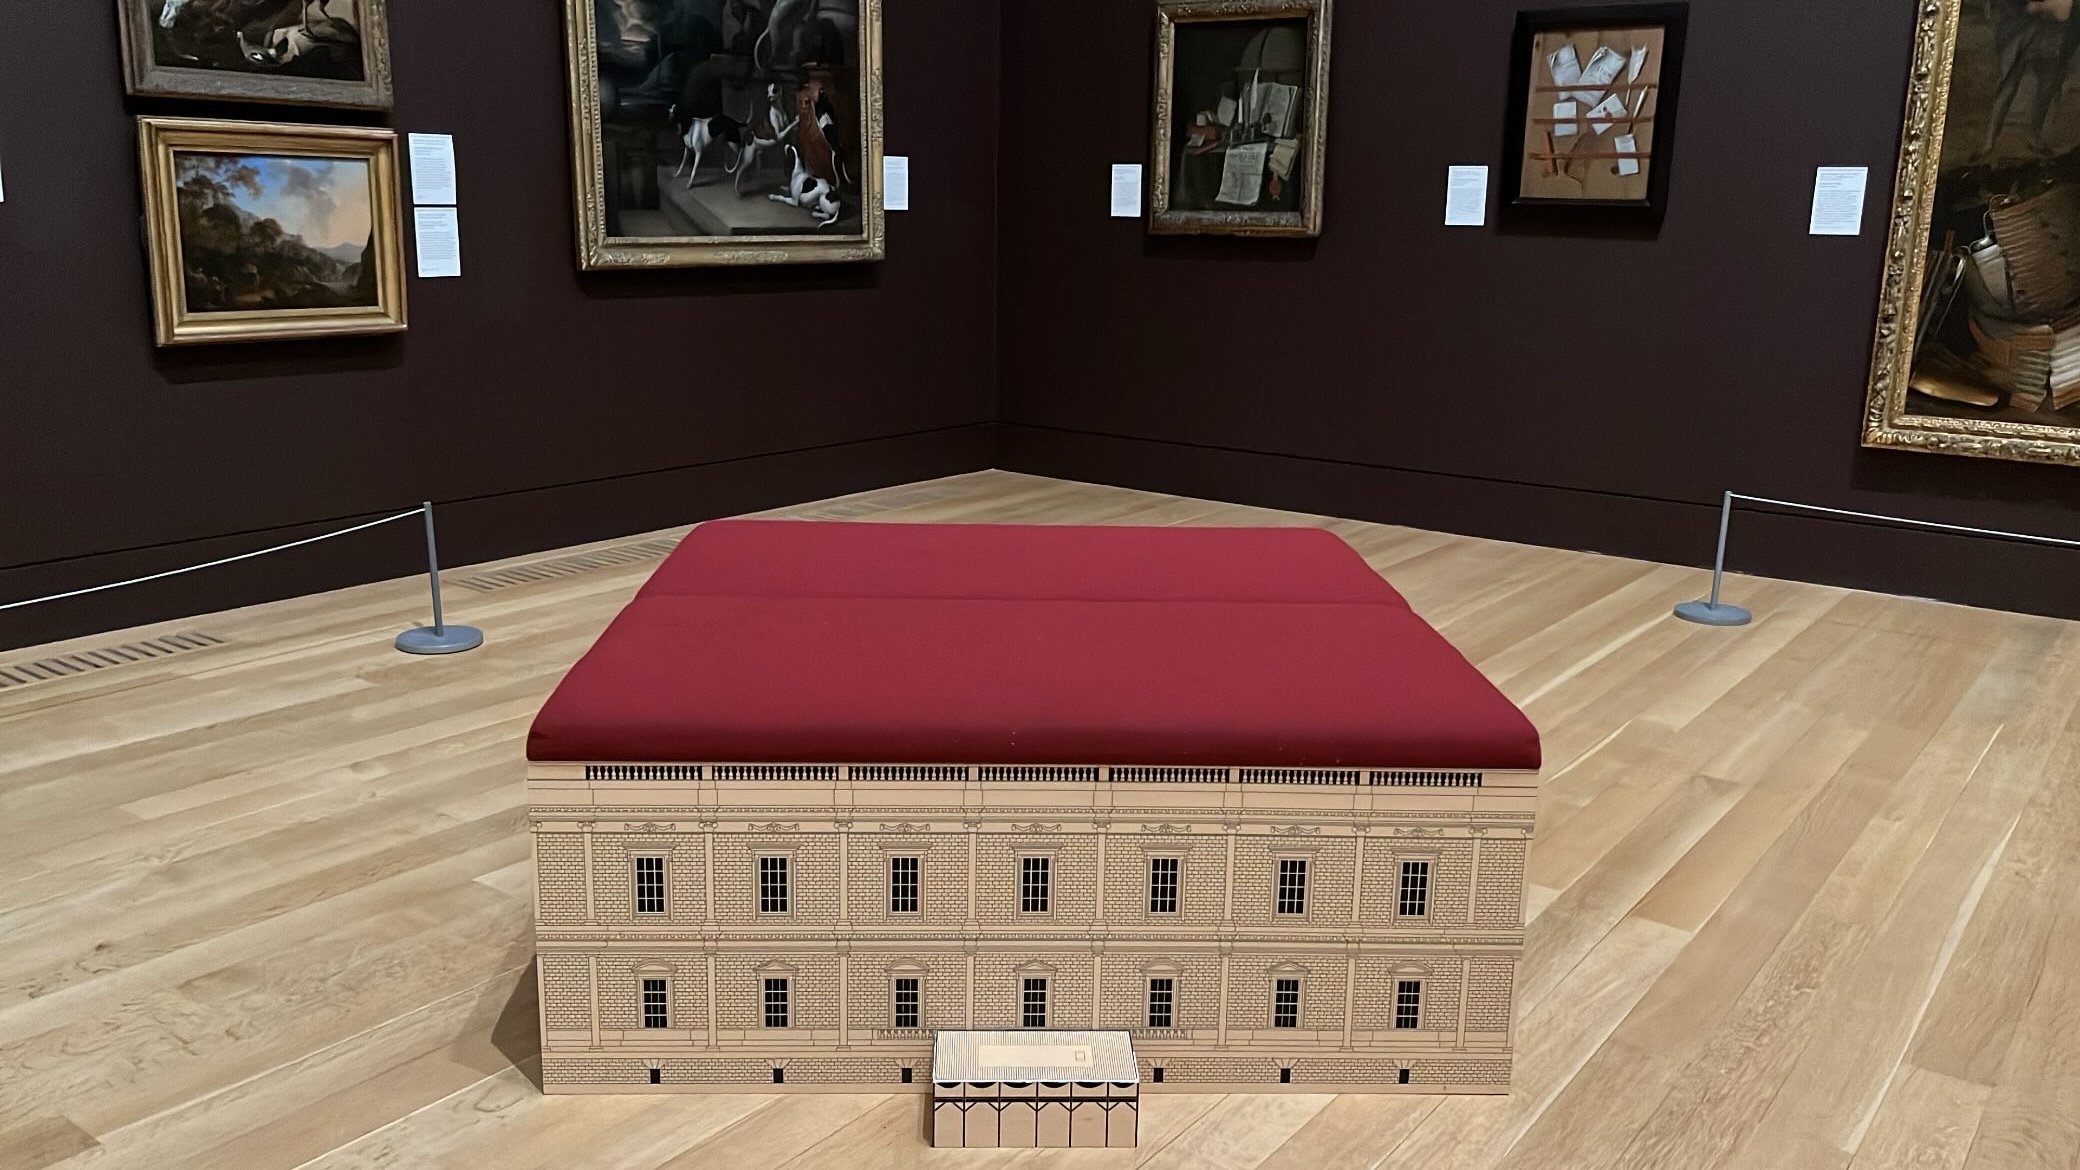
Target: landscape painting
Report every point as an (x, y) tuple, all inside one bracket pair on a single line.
[(265, 231), (1978, 341), (712, 132), (307, 52), (1241, 106)]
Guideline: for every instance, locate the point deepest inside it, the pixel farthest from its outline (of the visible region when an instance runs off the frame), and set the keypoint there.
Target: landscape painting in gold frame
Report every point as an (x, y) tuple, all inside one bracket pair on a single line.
[(725, 132), (1241, 117), (1978, 336), (262, 231)]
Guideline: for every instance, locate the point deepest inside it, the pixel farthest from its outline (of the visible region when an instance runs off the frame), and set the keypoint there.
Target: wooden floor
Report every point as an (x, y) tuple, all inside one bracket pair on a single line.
[(1805, 894)]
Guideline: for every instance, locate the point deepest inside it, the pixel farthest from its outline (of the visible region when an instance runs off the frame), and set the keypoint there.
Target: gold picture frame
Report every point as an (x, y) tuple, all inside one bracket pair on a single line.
[(229, 211), (185, 49), (1930, 388), (1200, 133), (743, 199)]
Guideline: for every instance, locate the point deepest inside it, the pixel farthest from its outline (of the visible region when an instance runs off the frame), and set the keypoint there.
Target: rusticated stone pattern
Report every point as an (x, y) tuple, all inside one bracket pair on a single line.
[(1488, 996), (560, 871), (1500, 900), (566, 991)]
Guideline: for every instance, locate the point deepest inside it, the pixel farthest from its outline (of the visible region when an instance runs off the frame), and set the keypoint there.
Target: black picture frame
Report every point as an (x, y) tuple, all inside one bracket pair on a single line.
[(1673, 19)]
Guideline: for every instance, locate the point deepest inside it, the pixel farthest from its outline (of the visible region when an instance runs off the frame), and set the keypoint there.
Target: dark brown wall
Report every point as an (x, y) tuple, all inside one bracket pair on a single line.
[(1568, 390), (542, 406)]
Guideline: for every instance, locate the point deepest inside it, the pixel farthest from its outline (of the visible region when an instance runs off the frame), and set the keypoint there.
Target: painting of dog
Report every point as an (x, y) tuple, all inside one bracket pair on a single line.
[(725, 131)]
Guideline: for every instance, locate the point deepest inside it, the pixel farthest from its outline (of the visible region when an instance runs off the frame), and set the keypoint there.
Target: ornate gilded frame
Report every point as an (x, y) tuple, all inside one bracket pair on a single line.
[(1314, 143), (1887, 420), (597, 251), (159, 139), (145, 77)]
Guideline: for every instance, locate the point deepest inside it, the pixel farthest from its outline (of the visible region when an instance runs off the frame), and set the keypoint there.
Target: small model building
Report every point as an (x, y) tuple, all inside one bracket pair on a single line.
[(825, 790), (1035, 1090)]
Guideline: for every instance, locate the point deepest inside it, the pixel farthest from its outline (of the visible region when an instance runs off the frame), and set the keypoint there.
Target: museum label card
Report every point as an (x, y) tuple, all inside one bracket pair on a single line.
[(1126, 190), (1465, 196), (1838, 201), (895, 182), (440, 241), (433, 168), (1565, 110)]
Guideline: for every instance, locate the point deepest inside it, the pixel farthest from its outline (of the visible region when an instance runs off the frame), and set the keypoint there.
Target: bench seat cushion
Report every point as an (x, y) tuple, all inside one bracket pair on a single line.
[(744, 650)]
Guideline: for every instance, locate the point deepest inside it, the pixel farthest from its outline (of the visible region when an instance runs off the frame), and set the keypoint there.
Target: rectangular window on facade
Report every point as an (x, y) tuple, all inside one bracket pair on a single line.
[(657, 1008), (909, 1002), (1035, 884), (1032, 1002), (772, 885), (1408, 1003), (1162, 1001), (903, 874), (1162, 884), (777, 1003), (1415, 889), (1292, 885), (1285, 1003), (649, 885)]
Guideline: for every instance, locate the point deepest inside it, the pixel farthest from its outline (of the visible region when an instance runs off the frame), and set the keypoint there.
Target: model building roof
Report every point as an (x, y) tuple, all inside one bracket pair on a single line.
[(814, 642), (982, 1057)]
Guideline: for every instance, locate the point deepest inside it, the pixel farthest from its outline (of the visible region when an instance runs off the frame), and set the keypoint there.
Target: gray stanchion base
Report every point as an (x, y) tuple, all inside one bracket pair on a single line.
[(1704, 613), (450, 640)]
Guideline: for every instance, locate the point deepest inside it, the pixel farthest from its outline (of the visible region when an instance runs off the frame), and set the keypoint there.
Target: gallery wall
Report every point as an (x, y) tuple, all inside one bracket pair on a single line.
[(1572, 389), (540, 406)]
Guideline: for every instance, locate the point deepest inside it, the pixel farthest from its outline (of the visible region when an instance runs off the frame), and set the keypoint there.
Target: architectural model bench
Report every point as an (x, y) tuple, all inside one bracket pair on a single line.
[(825, 789)]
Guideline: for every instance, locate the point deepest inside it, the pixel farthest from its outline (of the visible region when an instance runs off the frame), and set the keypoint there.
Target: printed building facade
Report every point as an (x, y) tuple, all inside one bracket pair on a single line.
[(709, 927)]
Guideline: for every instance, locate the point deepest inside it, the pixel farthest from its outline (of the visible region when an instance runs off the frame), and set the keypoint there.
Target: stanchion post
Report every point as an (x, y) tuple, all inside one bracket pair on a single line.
[(1713, 613), (442, 638)]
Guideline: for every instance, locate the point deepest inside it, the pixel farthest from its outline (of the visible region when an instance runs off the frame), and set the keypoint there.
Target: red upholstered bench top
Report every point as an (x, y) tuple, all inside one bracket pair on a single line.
[(809, 642)]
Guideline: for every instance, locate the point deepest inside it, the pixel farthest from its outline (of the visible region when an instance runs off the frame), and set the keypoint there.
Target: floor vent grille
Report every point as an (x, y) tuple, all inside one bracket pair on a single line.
[(63, 666), (883, 502), (570, 566)]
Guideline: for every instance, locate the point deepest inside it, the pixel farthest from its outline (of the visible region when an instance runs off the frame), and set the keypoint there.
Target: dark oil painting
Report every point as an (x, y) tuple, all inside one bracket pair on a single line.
[(727, 118), (1240, 112), (288, 38), (1997, 332)]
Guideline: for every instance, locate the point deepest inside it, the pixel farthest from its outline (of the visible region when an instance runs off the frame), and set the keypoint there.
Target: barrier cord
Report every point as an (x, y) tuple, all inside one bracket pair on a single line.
[(1904, 520), (420, 511)]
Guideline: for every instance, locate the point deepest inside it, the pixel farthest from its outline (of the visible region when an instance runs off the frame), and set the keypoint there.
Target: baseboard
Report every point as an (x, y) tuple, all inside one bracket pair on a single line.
[(1965, 570), (471, 530)]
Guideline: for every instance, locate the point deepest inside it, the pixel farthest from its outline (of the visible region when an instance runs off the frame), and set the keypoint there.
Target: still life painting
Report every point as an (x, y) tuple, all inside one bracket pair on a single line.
[(1593, 106), (1978, 341), (303, 52), (262, 232), (1241, 117), (708, 132)]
